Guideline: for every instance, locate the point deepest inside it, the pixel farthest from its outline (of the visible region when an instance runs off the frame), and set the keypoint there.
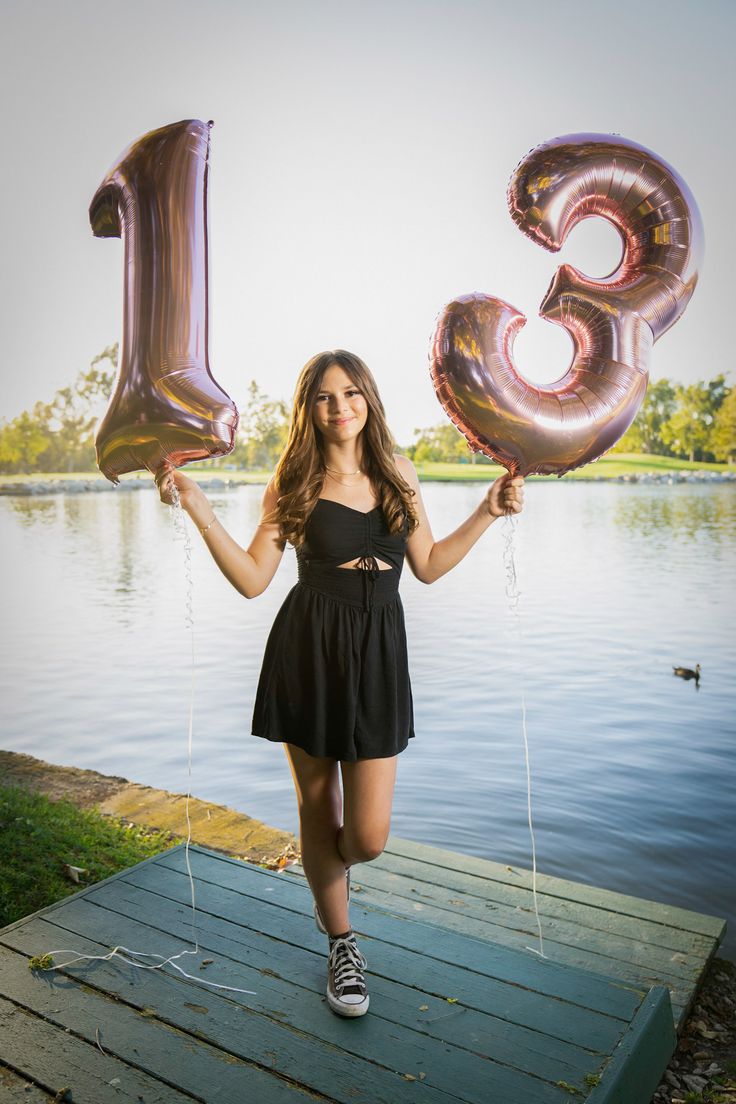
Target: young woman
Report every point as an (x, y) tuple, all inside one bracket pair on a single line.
[(334, 686)]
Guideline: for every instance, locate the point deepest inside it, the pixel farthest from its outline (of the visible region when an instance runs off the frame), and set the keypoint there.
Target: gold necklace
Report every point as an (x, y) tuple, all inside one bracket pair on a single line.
[(335, 470), (342, 481)]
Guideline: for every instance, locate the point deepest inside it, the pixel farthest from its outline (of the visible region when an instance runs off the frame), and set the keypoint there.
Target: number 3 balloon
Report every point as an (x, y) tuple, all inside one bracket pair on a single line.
[(613, 322), (166, 407)]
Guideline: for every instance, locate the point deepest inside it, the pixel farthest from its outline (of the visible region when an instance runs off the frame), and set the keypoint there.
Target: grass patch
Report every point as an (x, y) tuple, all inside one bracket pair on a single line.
[(608, 467), (39, 836)]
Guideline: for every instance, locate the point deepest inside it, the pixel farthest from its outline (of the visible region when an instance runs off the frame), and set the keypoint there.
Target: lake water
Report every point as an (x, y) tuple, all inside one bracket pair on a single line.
[(632, 768)]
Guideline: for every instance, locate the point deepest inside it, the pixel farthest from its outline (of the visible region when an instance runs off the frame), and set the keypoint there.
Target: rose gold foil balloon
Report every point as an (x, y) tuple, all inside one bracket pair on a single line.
[(613, 322), (166, 406)]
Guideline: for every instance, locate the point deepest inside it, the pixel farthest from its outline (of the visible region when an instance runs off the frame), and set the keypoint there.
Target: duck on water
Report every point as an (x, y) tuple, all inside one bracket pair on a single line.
[(688, 673)]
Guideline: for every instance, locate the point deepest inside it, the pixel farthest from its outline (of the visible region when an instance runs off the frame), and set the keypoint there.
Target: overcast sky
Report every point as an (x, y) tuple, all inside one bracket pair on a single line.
[(360, 157)]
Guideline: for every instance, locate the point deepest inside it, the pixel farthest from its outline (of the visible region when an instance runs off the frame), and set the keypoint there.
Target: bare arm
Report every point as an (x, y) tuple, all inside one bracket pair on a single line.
[(249, 570), (429, 559)]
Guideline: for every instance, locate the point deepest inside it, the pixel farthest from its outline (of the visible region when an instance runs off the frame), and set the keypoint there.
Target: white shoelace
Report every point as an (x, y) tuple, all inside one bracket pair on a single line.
[(347, 964)]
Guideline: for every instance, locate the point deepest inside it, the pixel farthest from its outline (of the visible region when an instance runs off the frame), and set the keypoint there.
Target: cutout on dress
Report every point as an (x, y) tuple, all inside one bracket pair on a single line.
[(379, 563)]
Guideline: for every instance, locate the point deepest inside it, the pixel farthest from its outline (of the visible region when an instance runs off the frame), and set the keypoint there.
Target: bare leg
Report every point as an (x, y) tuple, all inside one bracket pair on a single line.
[(329, 848), (317, 784), (368, 785)]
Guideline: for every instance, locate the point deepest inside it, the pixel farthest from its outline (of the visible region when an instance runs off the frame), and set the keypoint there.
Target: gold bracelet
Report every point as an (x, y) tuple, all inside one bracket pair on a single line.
[(208, 526)]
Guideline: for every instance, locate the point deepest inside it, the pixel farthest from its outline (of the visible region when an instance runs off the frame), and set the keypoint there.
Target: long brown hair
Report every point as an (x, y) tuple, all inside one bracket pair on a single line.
[(300, 471)]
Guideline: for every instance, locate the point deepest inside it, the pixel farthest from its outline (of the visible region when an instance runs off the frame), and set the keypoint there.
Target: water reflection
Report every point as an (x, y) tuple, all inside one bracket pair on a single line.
[(123, 545), (33, 511), (687, 513)]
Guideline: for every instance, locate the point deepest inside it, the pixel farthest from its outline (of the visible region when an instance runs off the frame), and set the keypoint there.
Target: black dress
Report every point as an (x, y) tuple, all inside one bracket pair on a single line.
[(335, 675)]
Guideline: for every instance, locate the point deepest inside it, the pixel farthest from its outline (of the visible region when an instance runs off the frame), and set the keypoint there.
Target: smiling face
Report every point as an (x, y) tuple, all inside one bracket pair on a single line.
[(340, 410)]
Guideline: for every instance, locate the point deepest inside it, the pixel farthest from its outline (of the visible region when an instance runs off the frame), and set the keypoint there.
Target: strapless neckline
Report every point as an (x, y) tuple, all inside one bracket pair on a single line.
[(351, 508)]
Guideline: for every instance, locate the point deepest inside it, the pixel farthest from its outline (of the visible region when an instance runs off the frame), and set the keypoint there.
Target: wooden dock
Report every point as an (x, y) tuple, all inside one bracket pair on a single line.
[(460, 1011)]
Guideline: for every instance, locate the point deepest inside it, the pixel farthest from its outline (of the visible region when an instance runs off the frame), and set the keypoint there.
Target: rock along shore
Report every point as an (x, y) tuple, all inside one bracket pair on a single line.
[(215, 826), (98, 486)]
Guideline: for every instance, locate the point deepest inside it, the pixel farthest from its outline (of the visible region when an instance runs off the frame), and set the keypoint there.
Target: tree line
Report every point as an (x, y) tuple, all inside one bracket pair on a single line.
[(694, 422)]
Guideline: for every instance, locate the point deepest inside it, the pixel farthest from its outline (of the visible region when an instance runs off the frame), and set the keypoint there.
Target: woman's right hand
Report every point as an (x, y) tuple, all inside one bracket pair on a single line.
[(192, 497)]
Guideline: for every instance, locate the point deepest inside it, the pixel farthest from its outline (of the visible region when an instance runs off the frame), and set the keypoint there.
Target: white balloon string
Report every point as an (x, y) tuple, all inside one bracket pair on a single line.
[(513, 594), (180, 531)]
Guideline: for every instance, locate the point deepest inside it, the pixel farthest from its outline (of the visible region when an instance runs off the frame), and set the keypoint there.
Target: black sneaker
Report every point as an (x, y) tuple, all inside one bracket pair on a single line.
[(346, 988), (318, 916)]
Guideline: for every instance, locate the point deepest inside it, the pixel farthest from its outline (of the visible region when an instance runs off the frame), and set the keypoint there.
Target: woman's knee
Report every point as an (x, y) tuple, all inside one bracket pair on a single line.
[(365, 846), (371, 851)]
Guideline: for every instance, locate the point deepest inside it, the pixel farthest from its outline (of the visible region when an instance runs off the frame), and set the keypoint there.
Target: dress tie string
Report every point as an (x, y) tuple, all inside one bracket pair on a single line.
[(369, 566)]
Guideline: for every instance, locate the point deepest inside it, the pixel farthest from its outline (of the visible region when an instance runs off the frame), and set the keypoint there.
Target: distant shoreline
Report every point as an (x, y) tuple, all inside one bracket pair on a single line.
[(85, 486), (621, 468)]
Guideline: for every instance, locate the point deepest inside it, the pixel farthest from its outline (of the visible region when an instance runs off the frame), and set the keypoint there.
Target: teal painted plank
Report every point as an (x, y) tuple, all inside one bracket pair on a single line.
[(15, 1089), (637, 1064), (55, 1060), (506, 1002), (392, 1039), (519, 1018), (146, 1043), (637, 971), (511, 906), (646, 973), (238, 904), (607, 899), (341, 1073), (504, 964), (472, 915)]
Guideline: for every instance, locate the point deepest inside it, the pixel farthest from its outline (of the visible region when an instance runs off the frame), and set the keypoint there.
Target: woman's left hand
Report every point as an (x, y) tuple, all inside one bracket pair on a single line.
[(505, 496)]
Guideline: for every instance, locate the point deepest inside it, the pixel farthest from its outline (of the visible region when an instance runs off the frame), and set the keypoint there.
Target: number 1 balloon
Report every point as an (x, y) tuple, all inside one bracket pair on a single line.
[(613, 322), (166, 407)]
